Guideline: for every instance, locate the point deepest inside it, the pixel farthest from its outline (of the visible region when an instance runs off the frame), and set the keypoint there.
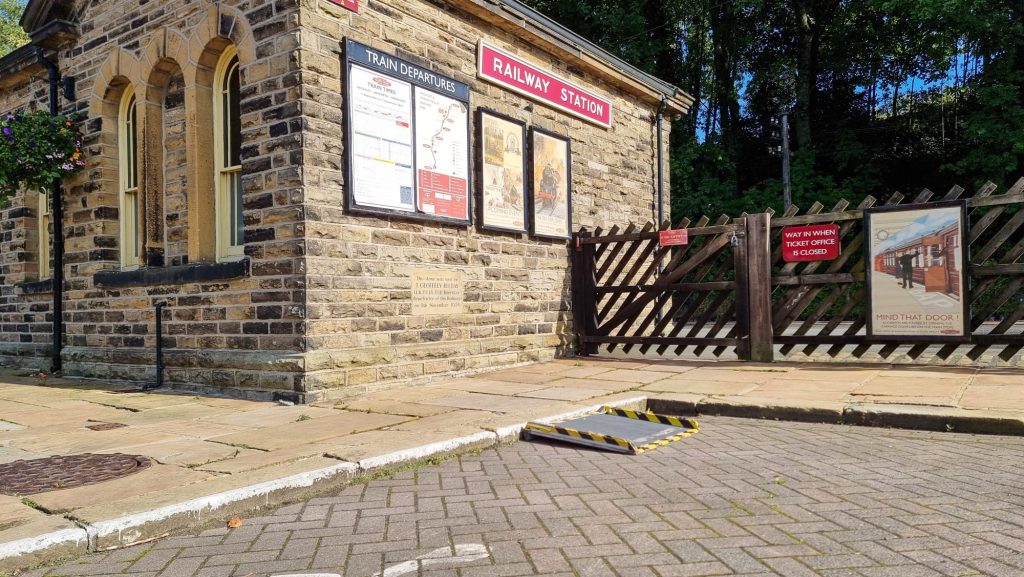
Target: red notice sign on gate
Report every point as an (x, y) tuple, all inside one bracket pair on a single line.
[(810, 243), (673, 237)]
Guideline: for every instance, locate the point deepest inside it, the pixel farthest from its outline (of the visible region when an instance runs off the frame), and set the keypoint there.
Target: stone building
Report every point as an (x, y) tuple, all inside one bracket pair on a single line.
[(230, 176)]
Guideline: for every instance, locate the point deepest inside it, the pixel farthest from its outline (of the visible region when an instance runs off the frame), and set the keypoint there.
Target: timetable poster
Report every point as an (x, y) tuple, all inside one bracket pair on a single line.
[(442, 155), (382, 140)]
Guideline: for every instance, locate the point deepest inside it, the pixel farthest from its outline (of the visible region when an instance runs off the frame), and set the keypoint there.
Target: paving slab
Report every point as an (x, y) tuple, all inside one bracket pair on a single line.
[(491, 403), (630, 377), (678, 385), (251, 460), (566, 393), (389, 407), (189, 453), (488, 386), (156, 478), (584, 372), (999, 397), (263, 416), (309, 431), (728, 375), (894, 386)]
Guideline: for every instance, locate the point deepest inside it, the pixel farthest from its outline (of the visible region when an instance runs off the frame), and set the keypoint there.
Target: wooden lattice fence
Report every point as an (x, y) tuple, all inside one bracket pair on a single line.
[(729, 291)]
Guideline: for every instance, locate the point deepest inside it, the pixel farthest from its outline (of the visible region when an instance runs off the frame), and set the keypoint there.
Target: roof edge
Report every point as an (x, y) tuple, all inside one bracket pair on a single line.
[(520, 16), (18, 63)]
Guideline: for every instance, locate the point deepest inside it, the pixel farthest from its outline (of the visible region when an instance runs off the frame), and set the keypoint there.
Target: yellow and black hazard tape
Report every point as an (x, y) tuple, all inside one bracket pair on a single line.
[(680, 422), (586, 435)]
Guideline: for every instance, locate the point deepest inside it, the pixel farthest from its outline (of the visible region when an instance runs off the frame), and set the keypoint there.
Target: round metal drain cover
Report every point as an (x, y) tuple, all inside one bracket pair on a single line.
[(32, 476)]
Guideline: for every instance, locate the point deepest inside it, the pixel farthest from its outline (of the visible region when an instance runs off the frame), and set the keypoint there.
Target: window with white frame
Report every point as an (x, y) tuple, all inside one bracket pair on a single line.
[(228, 148), (128, 147)]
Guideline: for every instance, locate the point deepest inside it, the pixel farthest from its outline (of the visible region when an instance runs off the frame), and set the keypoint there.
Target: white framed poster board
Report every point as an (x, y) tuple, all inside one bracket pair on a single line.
[(407, 145), (917, 272)]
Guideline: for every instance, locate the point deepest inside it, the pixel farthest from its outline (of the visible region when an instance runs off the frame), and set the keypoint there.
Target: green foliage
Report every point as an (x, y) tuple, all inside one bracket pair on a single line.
[(37, 148), (11, 34), (883, 95)]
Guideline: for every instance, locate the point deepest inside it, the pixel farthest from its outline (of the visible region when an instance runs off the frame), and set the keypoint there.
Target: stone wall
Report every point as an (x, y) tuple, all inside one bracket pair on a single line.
[(361, 330), (322, 302), (234, 325), (25, 302)]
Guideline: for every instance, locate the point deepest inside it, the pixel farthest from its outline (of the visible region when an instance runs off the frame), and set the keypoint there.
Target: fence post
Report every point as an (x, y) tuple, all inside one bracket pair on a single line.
[(584, 304), (759, 288), (739, 255)]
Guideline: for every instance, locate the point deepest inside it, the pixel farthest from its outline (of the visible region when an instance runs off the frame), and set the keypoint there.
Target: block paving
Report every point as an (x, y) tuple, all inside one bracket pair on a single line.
[(744, 497)]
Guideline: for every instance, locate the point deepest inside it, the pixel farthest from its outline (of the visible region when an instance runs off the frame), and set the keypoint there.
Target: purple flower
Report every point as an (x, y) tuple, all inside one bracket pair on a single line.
[(7, 130)]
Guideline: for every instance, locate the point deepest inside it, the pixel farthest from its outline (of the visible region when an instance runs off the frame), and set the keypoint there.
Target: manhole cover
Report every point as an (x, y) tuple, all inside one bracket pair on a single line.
[(32, 476)]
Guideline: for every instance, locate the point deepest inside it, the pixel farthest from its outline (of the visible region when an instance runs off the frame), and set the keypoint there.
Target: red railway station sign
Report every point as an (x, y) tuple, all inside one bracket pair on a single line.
[(810, 243), (352, 5)]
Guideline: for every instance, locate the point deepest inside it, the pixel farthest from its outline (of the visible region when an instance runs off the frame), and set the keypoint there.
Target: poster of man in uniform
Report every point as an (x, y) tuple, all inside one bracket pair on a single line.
[(916, 281), (503, 177), (550, 185)]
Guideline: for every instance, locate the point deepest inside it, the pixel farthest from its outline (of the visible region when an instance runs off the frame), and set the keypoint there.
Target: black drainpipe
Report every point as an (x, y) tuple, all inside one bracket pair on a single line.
[(660, 121), (58, 231), (160, 306)]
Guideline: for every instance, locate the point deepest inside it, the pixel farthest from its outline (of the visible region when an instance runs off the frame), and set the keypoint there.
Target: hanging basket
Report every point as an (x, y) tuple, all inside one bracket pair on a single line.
[(36, 149)]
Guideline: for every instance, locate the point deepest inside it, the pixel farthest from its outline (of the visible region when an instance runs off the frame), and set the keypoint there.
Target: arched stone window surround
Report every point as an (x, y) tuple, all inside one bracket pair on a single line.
[(223, 29)]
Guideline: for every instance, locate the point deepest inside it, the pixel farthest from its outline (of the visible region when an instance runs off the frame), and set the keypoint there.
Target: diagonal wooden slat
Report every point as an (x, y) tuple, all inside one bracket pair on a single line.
[(602, 267), (602, 248), (631, 310), (658, 309)]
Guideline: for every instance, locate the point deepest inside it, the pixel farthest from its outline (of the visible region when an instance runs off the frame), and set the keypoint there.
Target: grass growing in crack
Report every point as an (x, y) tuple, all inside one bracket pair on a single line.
[(303, 418)]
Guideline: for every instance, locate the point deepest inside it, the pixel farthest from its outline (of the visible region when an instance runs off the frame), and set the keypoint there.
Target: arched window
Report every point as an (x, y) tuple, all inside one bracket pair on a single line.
[(43, 221), (128, 152), (228, 147)]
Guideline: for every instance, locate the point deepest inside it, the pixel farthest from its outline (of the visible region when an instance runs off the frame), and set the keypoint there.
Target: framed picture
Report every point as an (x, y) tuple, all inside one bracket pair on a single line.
[(407, 139), (502, 177), (550, 185), (916, 279)]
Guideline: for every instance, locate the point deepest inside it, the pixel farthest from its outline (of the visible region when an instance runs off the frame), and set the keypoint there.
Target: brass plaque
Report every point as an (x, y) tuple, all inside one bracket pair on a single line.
[(437, 292)]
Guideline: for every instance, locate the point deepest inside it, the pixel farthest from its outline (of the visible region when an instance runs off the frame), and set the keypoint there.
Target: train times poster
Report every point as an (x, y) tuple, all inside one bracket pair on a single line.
[(917, 261)]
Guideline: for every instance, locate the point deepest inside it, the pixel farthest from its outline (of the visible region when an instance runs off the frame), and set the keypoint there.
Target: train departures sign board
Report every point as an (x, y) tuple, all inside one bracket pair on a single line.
[(407, 132)]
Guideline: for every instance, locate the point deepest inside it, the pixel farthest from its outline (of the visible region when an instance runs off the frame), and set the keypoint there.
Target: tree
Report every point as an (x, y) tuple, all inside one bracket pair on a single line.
[(884, 95), (11, 34)]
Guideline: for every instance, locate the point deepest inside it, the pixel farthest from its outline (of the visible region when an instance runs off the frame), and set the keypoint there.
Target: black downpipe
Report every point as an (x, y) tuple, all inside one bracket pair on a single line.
[(661, 159), (659, 123), (58, 231), (159, 346)]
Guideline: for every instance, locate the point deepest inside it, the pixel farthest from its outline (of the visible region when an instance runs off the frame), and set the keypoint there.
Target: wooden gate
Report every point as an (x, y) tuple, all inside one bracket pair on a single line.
[(632, 292), (730, 291)]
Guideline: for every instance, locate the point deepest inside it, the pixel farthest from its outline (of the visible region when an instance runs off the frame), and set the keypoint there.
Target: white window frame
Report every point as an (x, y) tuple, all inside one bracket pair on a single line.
[(129, 194), (43, 220), (227, 178)]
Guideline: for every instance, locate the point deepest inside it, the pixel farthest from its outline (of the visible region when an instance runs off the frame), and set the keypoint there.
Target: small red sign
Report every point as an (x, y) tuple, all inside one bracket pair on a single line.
[(501, 68), (673, 237), (352, 5), (810, 243)]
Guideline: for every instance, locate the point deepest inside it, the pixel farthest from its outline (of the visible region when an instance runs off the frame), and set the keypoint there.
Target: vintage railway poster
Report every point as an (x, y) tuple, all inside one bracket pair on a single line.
[(503, 205), (550, 186), (916, 277)]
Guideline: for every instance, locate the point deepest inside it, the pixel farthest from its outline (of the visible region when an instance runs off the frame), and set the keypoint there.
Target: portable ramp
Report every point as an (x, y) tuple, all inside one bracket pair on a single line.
[(619, 430)]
